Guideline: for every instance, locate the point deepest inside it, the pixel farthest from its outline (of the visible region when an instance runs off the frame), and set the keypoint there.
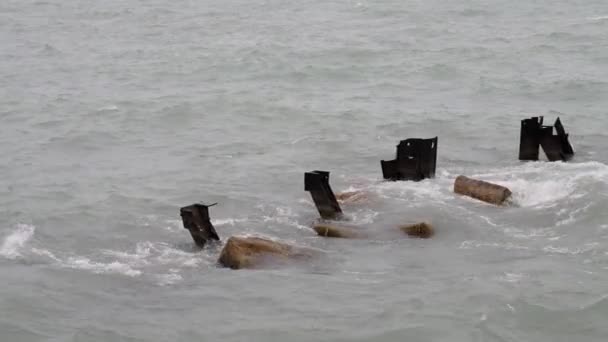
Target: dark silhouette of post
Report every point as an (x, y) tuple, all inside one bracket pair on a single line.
[(529, 139), (196, 219), (534, 135), (557, 147), (416, 160), (317, 183)]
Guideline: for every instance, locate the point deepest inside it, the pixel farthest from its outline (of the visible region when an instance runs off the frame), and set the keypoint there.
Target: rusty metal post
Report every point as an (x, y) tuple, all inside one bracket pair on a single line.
[(196, 219), (529, 138), (535, 134), (557, 147), (416, 160), (317, 183)]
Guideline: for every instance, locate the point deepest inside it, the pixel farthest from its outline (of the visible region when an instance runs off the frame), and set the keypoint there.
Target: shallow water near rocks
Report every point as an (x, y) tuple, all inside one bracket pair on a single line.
[(117, 113)]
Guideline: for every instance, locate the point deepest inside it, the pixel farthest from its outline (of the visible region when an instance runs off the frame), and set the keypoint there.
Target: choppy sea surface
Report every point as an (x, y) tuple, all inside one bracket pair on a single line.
[(114, 114)]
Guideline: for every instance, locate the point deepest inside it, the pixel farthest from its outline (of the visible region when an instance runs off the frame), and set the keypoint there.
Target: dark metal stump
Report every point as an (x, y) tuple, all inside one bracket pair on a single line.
[(196, 219), (529, 138), (535, 134), (416, 160), (317, 183)]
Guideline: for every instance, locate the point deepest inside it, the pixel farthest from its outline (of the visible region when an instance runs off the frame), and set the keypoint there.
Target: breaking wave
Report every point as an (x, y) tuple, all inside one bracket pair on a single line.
[(535, 185), (15, 241), (544, 184), (147, 259)]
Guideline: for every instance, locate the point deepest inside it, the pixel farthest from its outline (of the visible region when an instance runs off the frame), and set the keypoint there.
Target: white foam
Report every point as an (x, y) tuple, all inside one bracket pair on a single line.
[(83, 263), (14, 242), (545, 184), (572, 216), (488, 221), (227, 222), (571, 251), (146, 258), (363, 216), (437, 190), (172, 256), (168, 279), (155, 253), (598, 18), (512, 277), (142, 251), (529, 233), (108, 108), (285, 216), (538, 193), (174, 225), (478, 244)]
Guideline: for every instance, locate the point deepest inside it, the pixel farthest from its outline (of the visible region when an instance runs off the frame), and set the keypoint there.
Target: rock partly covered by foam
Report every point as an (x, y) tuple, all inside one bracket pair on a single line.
[(254, 252), (357, 196), (422, 230), (335, 231)]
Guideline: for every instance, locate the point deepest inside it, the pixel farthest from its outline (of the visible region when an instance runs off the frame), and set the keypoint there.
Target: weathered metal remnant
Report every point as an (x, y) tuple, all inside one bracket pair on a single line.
[(335, 231), (535, 134), (422, 230), (195, 218), (255, 252), (239, 252), (416, 160), (317, 183), (483, 191)]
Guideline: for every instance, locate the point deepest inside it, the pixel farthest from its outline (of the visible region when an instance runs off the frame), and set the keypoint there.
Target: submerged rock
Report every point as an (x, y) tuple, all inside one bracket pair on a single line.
[(334, 231), (422, 230), (254, 252)]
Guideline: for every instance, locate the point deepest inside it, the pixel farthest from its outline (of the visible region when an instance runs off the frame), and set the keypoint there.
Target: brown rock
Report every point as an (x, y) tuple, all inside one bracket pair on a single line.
[(421, 230), (252, 252), (333, 231), (483, 191)]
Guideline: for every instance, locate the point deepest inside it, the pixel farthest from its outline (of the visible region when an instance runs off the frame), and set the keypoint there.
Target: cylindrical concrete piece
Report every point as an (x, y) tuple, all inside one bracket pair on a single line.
[(483, 191)]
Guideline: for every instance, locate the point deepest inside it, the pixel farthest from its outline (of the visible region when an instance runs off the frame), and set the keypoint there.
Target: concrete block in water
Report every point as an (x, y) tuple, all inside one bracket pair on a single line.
[(483, 191)]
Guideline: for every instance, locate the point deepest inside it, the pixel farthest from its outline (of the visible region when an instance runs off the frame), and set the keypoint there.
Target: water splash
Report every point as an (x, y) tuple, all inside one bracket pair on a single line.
[(84, 263), (544, 185), (14, 242)]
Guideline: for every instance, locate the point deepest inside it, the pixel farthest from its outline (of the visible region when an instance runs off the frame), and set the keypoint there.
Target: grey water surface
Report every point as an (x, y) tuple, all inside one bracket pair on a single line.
[(116, 113)]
